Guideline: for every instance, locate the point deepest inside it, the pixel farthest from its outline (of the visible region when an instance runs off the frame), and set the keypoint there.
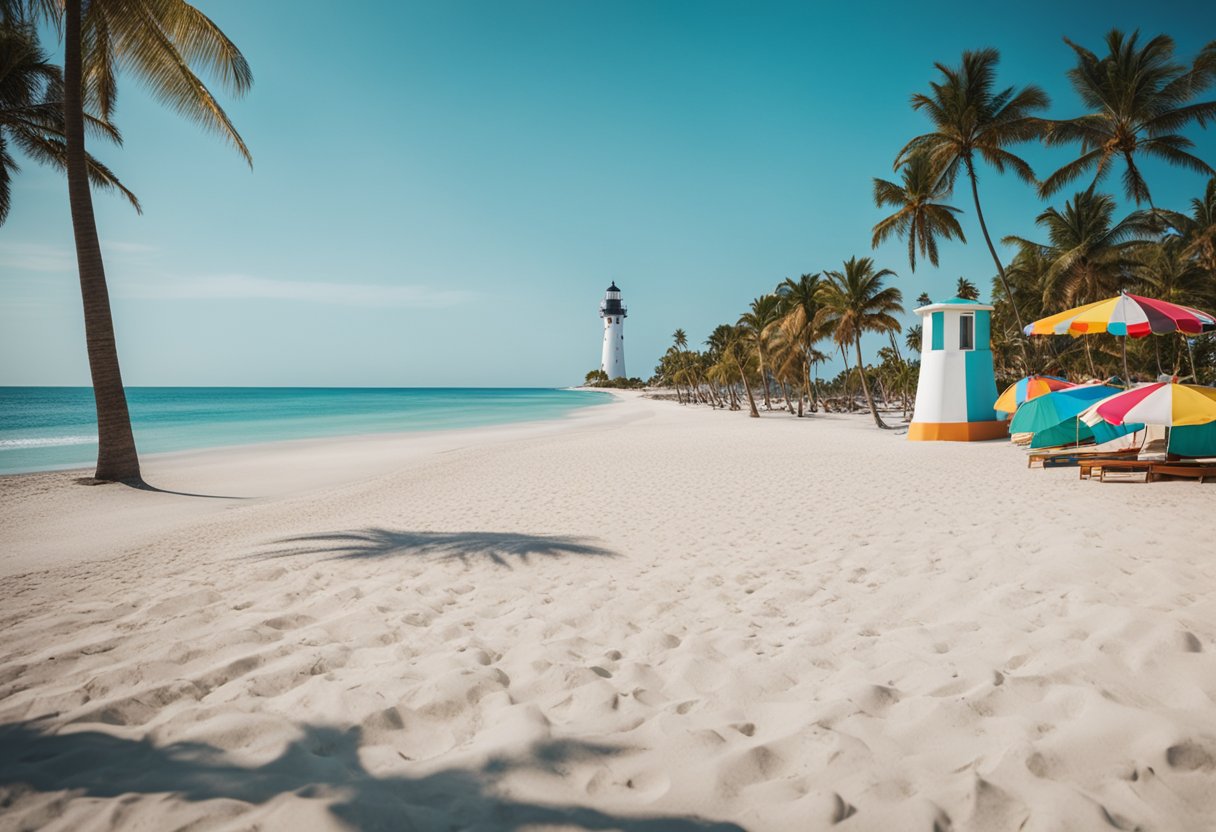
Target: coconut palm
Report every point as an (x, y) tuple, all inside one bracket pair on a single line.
[(756, 326), (1170, 274), (31, 114), (913, 337), (158, 41), (854, 302), (921, 214), (800, 306), (728, 343), (969, 119), (1141, 97), (1198, 229), (1091, 256), (966, 290)]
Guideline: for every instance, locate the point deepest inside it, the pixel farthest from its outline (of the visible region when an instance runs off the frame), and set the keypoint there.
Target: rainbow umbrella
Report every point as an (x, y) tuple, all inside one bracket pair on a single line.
[(1025, 389), (1162, 403), (1129, 315)]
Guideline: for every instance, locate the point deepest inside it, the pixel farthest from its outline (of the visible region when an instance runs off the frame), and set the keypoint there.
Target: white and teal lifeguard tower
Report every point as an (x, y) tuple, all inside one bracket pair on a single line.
[(957, 388)]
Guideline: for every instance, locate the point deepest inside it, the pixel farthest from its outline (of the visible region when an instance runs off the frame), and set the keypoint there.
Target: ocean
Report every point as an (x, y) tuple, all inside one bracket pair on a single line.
[(48, 428)]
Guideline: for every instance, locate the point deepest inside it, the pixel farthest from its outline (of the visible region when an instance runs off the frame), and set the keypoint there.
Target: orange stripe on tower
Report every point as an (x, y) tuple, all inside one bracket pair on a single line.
[(957, 431)]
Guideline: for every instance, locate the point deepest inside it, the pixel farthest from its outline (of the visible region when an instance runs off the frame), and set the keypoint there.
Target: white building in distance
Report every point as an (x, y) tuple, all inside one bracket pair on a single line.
[(612, 360)]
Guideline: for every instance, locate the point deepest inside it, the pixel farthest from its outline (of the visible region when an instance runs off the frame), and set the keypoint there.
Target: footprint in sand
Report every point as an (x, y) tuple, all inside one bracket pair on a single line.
[(1191, 756)]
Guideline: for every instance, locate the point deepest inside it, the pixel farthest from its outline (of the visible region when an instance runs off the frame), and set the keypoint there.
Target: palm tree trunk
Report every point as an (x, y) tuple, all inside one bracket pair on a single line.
[(975, 193), (117, 459), (751, 400), (763, 378), (865, 388), (847, 372)]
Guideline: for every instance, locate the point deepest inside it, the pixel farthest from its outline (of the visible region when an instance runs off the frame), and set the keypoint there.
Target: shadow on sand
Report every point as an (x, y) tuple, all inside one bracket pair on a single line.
[(499, 547), (143, 485), (324, 764)]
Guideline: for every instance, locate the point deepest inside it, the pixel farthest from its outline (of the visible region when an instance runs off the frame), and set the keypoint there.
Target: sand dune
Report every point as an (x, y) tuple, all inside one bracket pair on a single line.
[(645, 618)]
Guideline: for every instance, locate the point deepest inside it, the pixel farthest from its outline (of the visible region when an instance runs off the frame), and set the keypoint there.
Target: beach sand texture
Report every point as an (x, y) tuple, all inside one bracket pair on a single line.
[(644, 617)]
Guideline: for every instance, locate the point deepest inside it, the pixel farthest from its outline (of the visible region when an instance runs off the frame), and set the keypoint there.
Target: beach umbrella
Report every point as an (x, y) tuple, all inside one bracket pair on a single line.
[(1025, 389), (1052, 418), (1162, 403), (1127, 315)]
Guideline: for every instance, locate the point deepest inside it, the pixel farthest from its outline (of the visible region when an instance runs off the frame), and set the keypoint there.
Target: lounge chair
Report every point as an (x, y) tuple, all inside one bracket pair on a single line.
[(1070, 457), (1200, 470)]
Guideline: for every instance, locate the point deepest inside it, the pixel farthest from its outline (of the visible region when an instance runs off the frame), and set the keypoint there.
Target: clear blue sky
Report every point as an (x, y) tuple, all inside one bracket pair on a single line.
[(442, 191)]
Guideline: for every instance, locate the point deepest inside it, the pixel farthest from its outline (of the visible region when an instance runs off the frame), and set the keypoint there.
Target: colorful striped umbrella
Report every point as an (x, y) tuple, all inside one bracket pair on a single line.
[(1126, 314), (1025, 389), (1163, 403)]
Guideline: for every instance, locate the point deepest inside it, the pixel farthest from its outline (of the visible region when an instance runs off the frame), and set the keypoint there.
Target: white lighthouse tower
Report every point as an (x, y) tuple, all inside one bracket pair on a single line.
[(614, 313)]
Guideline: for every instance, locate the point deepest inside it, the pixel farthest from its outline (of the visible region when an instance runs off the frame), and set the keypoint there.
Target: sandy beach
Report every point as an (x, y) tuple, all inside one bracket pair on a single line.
[(642, 617)]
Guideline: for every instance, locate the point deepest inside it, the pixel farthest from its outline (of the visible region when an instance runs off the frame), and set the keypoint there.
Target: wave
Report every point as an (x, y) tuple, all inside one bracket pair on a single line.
[(46, 442)]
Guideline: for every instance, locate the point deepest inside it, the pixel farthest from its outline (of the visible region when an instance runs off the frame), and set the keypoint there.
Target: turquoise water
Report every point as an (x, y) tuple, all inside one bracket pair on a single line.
[(45, 428)]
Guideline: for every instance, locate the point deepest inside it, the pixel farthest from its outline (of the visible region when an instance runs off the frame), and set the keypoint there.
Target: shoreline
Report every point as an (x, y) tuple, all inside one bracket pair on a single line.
[(203, 479), (254, 443)]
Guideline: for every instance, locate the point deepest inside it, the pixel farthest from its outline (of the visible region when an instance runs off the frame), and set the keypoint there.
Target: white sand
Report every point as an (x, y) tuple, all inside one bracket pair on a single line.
[(645, 617)]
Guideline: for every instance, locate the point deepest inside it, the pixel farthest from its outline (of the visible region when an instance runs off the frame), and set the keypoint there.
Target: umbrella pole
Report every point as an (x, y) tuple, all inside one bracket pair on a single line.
[(1190, 350), (1127, 377)]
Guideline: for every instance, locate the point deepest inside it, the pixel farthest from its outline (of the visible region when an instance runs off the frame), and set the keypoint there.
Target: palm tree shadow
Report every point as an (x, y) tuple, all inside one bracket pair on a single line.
[(500, 548), (139, 484), (323, 763)]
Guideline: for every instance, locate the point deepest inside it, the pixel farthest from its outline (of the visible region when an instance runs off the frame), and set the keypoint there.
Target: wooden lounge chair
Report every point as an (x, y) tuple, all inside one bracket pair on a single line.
[(1151, 468), (1127, 465), (1069, 457), (1192, 470)]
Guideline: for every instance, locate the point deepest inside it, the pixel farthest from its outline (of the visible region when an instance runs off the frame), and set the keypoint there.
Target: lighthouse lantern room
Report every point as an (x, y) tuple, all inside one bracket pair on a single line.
[(614, 313), (957, 390)]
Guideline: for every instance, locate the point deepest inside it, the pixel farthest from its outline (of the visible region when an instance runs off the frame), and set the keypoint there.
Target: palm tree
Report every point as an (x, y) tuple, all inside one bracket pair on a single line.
[(923, 299), (1176, 277), (1090, 258), (756, 326), (31, 113), (728, 342), (159, 41), (969, 119), (1090, 255), (854, 302), (1198, 229), (1140, 98), (966, 290), (913, 337), (800, 306), (921, 214)]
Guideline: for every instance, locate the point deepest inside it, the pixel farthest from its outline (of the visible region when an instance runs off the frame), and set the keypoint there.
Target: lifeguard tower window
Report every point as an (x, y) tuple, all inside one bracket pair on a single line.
[(966, 332)]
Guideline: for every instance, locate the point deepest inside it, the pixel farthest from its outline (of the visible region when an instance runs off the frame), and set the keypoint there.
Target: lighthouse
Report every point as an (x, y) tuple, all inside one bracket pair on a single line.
[(957, 390), (614, 313)]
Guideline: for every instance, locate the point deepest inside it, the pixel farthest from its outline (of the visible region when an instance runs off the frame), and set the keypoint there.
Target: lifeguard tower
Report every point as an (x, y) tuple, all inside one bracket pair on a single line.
[(957, 389)]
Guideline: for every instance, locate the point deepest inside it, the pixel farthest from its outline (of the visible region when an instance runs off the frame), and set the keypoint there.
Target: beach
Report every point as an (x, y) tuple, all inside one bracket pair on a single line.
[(641, 616)]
